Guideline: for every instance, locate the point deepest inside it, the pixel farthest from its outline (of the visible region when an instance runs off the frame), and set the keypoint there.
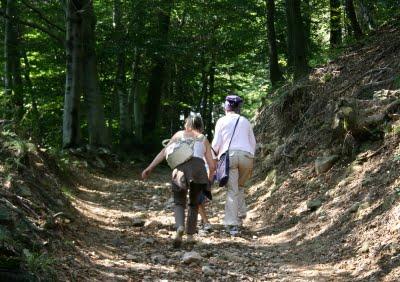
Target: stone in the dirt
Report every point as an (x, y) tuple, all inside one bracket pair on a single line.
[(354, 207), (191, 257), (152, 224), (148, 241), (138, 207), (176, 254), (364, 248), (138, 222), (158, 258), (313, 205), (117, 242), (234, 257), (323, 164), (131, 257), (207, 270)]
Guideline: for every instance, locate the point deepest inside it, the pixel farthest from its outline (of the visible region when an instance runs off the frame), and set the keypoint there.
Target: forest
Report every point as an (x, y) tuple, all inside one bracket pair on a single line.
[(90, 89), (123, 74)]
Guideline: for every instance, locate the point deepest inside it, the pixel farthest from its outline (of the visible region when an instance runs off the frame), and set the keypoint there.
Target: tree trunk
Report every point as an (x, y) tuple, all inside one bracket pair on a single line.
[(275, 73), (351, 14), (136, 99), (125, 119), (296, 39), (93, 97), (366, 11), (209, 117), (204, 92), (306, 15), (136, 92), (290, 32), (335, 38), (36, 128), (157, 75), (13, 79), (73, 84)]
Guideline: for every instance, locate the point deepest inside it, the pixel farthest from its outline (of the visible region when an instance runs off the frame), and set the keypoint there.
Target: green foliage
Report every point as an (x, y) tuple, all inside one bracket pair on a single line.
[(229, 35), (39, 264), (397, 82), (67, 192), (17, 148)]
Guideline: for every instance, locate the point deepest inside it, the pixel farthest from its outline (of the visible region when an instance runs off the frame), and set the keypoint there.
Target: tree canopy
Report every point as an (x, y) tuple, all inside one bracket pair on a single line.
[(125, 73)]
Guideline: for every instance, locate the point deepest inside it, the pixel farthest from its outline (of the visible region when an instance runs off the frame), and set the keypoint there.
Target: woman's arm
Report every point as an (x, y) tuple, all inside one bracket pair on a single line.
[(159, 158), (210, 161)]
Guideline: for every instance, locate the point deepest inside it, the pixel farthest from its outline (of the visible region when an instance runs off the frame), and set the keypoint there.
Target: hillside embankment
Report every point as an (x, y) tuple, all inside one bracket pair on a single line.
[(328, 172)]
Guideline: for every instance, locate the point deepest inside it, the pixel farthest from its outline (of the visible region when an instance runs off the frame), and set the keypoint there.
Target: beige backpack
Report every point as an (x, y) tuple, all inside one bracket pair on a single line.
[(180, 151)]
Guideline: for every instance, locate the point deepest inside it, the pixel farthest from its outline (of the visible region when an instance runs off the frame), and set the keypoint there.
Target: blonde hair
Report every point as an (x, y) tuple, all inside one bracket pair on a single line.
[(194, 122)]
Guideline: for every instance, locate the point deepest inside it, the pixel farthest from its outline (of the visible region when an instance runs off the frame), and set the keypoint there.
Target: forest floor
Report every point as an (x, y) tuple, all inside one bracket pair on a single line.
[(108, 243)]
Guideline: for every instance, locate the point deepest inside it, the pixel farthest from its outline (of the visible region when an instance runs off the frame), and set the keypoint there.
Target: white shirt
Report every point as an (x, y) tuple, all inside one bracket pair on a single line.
[(243, 138), (199, 149)]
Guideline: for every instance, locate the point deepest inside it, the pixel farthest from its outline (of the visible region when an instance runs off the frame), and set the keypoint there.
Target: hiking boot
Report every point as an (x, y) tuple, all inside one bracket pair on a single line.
[(178, 237)]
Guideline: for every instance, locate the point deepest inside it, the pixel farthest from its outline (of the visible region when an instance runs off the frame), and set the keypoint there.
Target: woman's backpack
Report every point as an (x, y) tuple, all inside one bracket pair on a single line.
[(180, 151)]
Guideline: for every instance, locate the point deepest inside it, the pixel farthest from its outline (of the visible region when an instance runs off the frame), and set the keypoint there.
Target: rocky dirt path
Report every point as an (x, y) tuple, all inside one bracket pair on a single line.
[(124, 234)]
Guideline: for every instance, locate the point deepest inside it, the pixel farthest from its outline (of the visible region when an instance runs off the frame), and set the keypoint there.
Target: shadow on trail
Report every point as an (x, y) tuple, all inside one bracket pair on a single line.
[(110, 247)]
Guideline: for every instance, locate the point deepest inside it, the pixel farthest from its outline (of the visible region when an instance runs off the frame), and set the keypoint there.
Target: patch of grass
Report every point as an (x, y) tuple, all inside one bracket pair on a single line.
[(397, 81), (20, 147), (396, 129), (38, 263), (327, 77), (67, 192)]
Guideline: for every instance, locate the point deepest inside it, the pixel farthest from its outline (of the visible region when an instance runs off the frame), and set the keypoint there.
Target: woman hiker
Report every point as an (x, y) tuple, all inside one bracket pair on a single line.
[(241, 155), (190, 177)]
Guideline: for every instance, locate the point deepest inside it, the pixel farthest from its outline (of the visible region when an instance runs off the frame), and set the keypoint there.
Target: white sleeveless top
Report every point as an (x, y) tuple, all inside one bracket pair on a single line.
[(199, 150)]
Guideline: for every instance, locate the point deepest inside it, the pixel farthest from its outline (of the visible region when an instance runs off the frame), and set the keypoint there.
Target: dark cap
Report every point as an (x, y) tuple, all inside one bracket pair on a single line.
[(234, 99)]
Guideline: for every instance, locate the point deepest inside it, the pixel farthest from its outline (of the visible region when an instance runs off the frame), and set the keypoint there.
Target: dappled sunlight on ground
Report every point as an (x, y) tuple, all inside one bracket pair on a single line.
[(126, 228)]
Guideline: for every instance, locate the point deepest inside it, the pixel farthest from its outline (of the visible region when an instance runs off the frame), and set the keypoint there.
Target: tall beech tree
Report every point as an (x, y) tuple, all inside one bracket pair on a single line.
[(297, 47), (81, 76), (335, 36), (73, 84), (13, 84), (367, 14), (125, 114), (275, 73), (351, 14), (157, 74)]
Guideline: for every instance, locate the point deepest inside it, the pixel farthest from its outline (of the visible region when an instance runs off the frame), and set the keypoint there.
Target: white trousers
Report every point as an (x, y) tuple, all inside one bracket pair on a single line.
[(240, 170)]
